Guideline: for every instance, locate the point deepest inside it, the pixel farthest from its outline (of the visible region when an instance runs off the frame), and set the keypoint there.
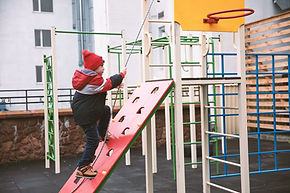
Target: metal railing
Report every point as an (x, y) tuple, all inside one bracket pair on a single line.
[(31, 99)]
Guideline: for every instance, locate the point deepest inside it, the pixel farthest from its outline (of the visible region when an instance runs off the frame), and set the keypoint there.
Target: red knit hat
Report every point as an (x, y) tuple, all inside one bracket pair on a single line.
[(91, 60)]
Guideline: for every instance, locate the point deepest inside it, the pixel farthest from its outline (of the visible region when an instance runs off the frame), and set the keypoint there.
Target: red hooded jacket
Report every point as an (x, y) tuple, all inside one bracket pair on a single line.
[(90, 96)]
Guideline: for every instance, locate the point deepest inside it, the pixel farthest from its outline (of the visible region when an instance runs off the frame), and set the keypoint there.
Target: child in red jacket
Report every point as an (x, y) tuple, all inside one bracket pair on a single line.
[(88, 106)]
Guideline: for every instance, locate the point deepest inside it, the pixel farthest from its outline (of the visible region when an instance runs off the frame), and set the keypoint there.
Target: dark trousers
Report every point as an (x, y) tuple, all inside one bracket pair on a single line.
[(93, 133)]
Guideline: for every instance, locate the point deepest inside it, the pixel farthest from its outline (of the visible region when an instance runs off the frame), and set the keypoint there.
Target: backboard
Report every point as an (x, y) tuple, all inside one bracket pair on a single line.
[(190, 14)]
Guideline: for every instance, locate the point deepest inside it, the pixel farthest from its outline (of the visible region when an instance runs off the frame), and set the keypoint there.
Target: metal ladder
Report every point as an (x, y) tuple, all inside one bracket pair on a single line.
[(242, 117)]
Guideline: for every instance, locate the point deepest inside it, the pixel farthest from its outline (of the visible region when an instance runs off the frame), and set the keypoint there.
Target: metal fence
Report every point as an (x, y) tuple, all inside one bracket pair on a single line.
[(32, 99)]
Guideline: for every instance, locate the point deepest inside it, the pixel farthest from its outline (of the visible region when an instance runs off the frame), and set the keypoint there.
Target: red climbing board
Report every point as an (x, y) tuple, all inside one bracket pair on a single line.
[(125, 128)]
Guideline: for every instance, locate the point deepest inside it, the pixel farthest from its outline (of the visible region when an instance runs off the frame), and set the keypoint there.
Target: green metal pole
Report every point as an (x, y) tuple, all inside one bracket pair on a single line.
[(84, 32), (172, 118), (214, 102), (120, 92), (50, 105)]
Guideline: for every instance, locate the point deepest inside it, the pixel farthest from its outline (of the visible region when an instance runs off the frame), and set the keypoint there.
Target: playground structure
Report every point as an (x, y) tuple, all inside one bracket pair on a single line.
[(208, 78)]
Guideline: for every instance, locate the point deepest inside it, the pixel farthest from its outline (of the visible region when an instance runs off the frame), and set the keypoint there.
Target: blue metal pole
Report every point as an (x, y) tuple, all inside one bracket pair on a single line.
[(258, 115), (224, 112), (274, 111)]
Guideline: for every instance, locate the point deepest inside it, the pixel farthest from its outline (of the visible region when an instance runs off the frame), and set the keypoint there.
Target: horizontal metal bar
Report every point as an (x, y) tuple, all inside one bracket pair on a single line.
[(189, 43), (85, 32), (195, 163), (198, 142), (190, 123), (223, 161), (216, 136), (225, 175), (266, 73), (261, 54), (225, 74), (160, 65), (187, 62), (222, 134), (160, 21), (253, 172), (221, 107), (126, 52), (278, 92), (223, 94), (167, 65), (253, 153), (222, 187), (190, 103), (192, 163), (249, 54), (268, 113), (160, 43), (210, 81), (192, 143), (267, 132), (190, 64), (220, 115), (222, 54)]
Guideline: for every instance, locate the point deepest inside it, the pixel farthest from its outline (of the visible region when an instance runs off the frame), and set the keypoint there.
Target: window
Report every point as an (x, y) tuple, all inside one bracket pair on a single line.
[(43, 5), (161, 30), (38, 70), (160, 14), (42, 38)]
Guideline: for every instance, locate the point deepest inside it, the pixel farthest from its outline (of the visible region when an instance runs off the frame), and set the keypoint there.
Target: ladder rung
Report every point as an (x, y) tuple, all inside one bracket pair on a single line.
[(166, 65), (223, 134), (222, 187), (221, 107), (50, 157), (198, 142), (190, 123), (160, 65), (190, 103), (188, 43), (160, 21), (160, 43), (224, 161), (210, 81)]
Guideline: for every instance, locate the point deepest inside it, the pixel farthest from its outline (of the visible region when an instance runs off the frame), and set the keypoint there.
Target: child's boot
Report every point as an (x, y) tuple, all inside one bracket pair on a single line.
[(86, 172)]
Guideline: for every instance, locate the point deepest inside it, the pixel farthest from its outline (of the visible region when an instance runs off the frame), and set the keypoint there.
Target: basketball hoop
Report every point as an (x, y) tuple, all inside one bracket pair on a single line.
[(212, 19)]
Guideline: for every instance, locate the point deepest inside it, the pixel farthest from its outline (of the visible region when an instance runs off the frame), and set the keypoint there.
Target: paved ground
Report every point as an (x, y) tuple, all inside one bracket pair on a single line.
[(32, 177)]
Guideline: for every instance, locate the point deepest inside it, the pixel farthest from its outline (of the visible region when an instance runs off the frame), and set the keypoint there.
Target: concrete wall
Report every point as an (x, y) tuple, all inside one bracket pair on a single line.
[(19, 56), (22, 134)]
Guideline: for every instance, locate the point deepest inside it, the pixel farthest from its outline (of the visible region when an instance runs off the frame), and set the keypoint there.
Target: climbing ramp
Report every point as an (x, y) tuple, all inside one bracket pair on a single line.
[(125, 128)]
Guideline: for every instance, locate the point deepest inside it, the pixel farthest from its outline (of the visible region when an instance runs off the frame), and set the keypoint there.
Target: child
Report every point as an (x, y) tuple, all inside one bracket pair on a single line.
[(88, 106)]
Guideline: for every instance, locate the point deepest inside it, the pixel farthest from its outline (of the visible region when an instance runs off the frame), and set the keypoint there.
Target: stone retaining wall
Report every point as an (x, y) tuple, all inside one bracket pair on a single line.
[(22, 134)]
